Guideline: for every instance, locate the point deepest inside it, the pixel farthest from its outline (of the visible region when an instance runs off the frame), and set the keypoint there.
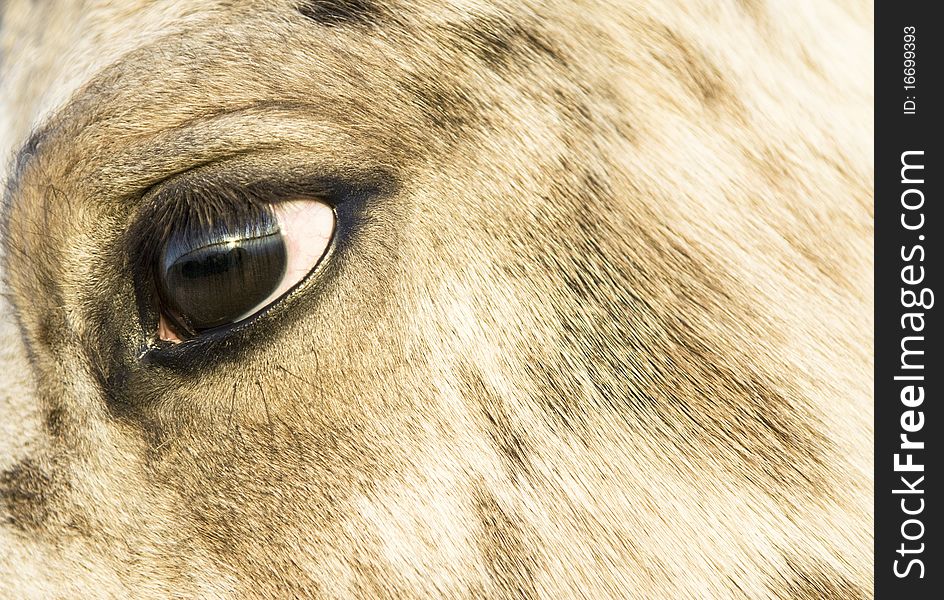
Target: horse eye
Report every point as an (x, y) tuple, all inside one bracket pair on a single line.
[(217, 272)]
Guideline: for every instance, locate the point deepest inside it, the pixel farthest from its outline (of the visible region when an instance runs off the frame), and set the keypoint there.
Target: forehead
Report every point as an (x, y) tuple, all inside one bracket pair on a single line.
[(52, 49), (176, 59)]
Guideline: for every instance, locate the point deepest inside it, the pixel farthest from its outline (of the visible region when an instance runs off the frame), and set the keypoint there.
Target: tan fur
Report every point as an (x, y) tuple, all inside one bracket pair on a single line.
[(604, 330)]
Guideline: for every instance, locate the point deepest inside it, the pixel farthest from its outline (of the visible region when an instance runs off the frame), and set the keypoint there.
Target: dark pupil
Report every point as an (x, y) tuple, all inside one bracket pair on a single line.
[(211, 275)]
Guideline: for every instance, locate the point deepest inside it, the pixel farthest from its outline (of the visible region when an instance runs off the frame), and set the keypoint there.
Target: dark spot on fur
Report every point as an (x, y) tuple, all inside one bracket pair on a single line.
[(502, 45), (755, 9), (505, 549), (113, 382), (810, 62), (374, 579), (509, 440), (591, 112), (574, 108), (52, 332), (25, 490), (446, 105), (334, 13), (822, 583), (54, 420), (107, 357), (692, 68)]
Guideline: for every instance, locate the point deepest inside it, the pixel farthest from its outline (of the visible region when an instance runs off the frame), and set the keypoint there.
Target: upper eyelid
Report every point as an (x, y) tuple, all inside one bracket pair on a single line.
[(207, 139), (165, 208)]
